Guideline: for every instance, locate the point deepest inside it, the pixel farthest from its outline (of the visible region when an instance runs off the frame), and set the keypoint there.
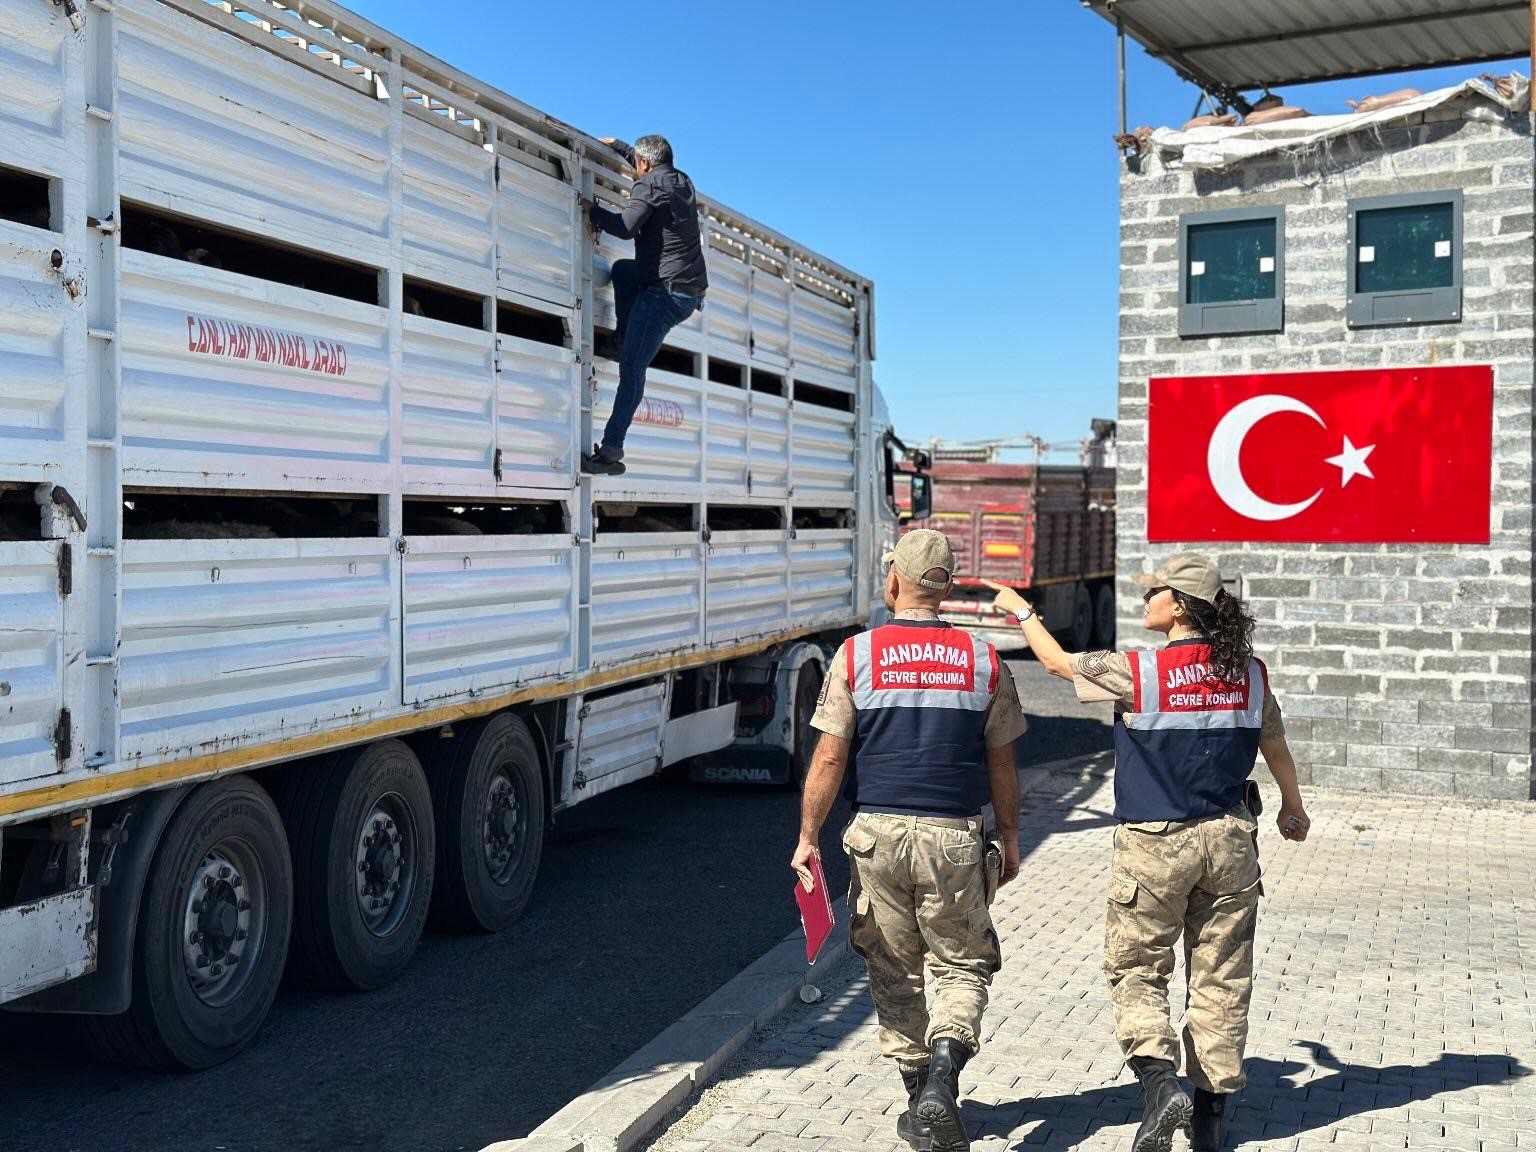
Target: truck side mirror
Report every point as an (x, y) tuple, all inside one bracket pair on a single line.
[(922, 497)]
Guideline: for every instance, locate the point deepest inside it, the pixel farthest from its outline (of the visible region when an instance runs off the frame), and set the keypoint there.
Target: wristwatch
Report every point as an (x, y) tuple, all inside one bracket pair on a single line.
[(1027, 614)]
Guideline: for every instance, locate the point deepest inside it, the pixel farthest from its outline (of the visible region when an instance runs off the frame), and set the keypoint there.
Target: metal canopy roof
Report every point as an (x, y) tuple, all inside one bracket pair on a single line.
[(1232, 45)]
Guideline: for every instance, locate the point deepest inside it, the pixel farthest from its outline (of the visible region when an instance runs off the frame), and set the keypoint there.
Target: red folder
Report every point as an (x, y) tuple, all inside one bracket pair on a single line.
[(815, 910)]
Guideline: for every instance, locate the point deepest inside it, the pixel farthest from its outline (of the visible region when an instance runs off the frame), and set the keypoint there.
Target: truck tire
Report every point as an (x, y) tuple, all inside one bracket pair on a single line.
[(1104, 616), (807, 692), (488, 798), (1082, 619), (213, 933), (363, 861)]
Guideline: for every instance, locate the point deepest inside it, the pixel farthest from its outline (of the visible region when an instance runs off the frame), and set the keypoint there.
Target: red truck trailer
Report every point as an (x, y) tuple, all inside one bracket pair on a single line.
[(1047, 530)]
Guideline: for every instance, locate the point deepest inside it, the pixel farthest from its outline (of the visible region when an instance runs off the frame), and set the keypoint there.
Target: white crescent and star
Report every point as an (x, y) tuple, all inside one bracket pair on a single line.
[(1222, 458)]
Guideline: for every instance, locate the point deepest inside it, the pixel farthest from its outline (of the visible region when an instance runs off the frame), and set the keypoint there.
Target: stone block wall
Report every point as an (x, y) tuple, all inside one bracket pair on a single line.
[(1402, 668)]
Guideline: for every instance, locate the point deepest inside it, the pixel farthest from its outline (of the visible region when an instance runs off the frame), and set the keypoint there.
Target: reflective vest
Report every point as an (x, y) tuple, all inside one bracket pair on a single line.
[(1187, 746), (921, 690)]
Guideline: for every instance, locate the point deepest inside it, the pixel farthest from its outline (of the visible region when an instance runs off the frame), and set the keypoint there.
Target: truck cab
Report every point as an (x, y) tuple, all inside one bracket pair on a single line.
[(900, 492)]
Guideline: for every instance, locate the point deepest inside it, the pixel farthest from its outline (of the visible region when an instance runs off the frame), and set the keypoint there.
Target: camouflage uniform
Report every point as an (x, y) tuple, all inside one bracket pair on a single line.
[(1195, 877), (916, 889)]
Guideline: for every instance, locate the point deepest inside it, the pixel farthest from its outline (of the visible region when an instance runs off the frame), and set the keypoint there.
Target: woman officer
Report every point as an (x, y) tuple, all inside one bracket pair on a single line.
[(1190, 718)]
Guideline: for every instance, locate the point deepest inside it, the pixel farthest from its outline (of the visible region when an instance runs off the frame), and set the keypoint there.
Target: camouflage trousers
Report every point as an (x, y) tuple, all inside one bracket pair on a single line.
[(1198, 878), (916, 891)]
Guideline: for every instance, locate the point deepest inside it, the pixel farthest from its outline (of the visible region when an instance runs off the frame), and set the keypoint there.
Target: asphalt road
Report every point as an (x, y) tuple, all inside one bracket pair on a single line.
[(649, 899)]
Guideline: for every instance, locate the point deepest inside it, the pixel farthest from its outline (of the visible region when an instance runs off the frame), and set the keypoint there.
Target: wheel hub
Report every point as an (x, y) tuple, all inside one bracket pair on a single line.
[(502, 819), (218, 921), (385, 864)]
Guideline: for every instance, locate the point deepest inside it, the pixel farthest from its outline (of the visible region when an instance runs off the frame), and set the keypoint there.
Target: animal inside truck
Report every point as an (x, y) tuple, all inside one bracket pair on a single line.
[(309, 624)]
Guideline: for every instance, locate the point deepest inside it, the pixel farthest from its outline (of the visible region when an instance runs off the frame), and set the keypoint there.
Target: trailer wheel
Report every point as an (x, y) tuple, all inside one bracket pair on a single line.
[(1082, 619), (213, 933), (363, 845), (1104, 616), (807, 692), (489, 804)]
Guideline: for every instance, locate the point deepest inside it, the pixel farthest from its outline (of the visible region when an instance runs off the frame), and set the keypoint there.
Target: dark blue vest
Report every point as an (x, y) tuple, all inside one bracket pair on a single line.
[(1187, 746), (921, 690)]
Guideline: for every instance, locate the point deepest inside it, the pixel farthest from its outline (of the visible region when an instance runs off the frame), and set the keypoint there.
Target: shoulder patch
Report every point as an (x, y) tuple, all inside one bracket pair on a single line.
[(1094, 663)]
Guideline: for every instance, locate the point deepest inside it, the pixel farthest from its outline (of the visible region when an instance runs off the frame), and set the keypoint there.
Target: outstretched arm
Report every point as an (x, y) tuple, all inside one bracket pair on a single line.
[(1052, 656), (621, 148)]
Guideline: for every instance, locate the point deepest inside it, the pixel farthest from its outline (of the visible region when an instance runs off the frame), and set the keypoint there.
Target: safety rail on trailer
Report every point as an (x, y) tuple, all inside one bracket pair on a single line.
[(306, 320)]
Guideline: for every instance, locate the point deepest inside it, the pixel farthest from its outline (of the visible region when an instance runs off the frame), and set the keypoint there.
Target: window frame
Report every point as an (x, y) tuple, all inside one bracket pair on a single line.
[(1404, 306), (1232, 317)]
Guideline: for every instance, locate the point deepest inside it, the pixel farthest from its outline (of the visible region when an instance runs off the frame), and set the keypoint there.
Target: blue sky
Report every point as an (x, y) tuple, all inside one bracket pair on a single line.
[(957, 154)]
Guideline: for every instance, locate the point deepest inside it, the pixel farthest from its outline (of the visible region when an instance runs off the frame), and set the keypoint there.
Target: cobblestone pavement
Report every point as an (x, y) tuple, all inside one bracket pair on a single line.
[(1393, 1007)]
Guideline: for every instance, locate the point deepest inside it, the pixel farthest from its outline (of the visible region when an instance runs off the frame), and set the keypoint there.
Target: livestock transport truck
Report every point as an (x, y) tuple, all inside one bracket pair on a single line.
[(308, 621), (1046, 530)]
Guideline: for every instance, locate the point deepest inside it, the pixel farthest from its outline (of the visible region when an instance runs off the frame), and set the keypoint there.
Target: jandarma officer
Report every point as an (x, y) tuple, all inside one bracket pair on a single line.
[(1191, 717), (923, 717)]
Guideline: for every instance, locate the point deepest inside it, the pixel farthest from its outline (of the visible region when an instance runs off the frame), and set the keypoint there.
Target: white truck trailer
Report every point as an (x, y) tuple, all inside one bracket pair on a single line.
[(308, 622)]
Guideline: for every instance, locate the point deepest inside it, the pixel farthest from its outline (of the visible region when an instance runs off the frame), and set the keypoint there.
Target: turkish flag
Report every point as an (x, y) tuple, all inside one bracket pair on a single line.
[(1380, 456)]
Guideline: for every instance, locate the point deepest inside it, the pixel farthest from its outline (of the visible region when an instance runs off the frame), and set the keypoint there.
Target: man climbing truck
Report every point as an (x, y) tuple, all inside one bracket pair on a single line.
[(311, 622)]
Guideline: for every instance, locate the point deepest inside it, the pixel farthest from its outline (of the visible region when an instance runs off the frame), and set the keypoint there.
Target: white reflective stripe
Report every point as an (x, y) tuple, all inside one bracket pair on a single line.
[(868, 700), (861, 661), (1151, 697), (1256, 693), (1162, 721), (983, 660)]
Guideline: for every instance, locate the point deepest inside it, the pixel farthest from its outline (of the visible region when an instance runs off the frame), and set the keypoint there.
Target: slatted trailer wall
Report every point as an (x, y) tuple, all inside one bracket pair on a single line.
[(338, 270)]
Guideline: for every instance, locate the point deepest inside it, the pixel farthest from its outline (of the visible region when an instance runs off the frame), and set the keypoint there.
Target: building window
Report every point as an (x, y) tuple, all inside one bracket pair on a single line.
[(1232, 271), (1404, 259)]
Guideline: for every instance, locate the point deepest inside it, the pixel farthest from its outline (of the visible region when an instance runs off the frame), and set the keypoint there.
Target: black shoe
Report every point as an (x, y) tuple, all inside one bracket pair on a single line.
[(908, 1126), (1167, 1109), (606, 347), (938, 1106), (599, 463), (1205, 1124)]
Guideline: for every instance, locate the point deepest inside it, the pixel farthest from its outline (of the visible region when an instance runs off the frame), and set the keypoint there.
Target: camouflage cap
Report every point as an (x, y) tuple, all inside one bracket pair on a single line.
[(919, 552), (1189, 573)]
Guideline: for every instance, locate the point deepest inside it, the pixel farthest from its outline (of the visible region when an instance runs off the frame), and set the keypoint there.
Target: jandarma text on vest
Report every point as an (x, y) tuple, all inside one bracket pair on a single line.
[(1183, 674), (1214, 700), (925, 654), (1215, 694)]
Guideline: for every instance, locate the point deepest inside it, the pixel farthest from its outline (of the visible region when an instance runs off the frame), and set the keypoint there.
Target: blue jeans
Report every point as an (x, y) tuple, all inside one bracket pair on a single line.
[(645, 315)]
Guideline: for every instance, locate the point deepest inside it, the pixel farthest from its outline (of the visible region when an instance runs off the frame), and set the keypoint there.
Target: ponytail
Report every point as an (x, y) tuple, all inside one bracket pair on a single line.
[(1228, 628)]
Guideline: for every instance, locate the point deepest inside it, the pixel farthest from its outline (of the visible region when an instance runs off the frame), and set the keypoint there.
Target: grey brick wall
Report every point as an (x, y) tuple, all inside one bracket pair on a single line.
[(1403, 668)]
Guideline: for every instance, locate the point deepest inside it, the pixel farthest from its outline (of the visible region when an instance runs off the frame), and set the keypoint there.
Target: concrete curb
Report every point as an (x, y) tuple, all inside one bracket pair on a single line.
[(621, 1109)]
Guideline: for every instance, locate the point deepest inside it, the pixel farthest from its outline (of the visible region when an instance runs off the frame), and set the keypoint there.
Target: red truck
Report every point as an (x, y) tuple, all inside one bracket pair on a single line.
[(1047, 530)]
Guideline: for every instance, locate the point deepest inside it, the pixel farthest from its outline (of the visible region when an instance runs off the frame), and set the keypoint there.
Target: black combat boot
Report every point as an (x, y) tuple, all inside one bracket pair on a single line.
[(939, 1104), (908, 1126), (1205, 1124), (1167, 1108)]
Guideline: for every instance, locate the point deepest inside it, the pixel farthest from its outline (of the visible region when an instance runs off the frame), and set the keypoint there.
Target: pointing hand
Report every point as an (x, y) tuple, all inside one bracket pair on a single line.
[(1007, 600)]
